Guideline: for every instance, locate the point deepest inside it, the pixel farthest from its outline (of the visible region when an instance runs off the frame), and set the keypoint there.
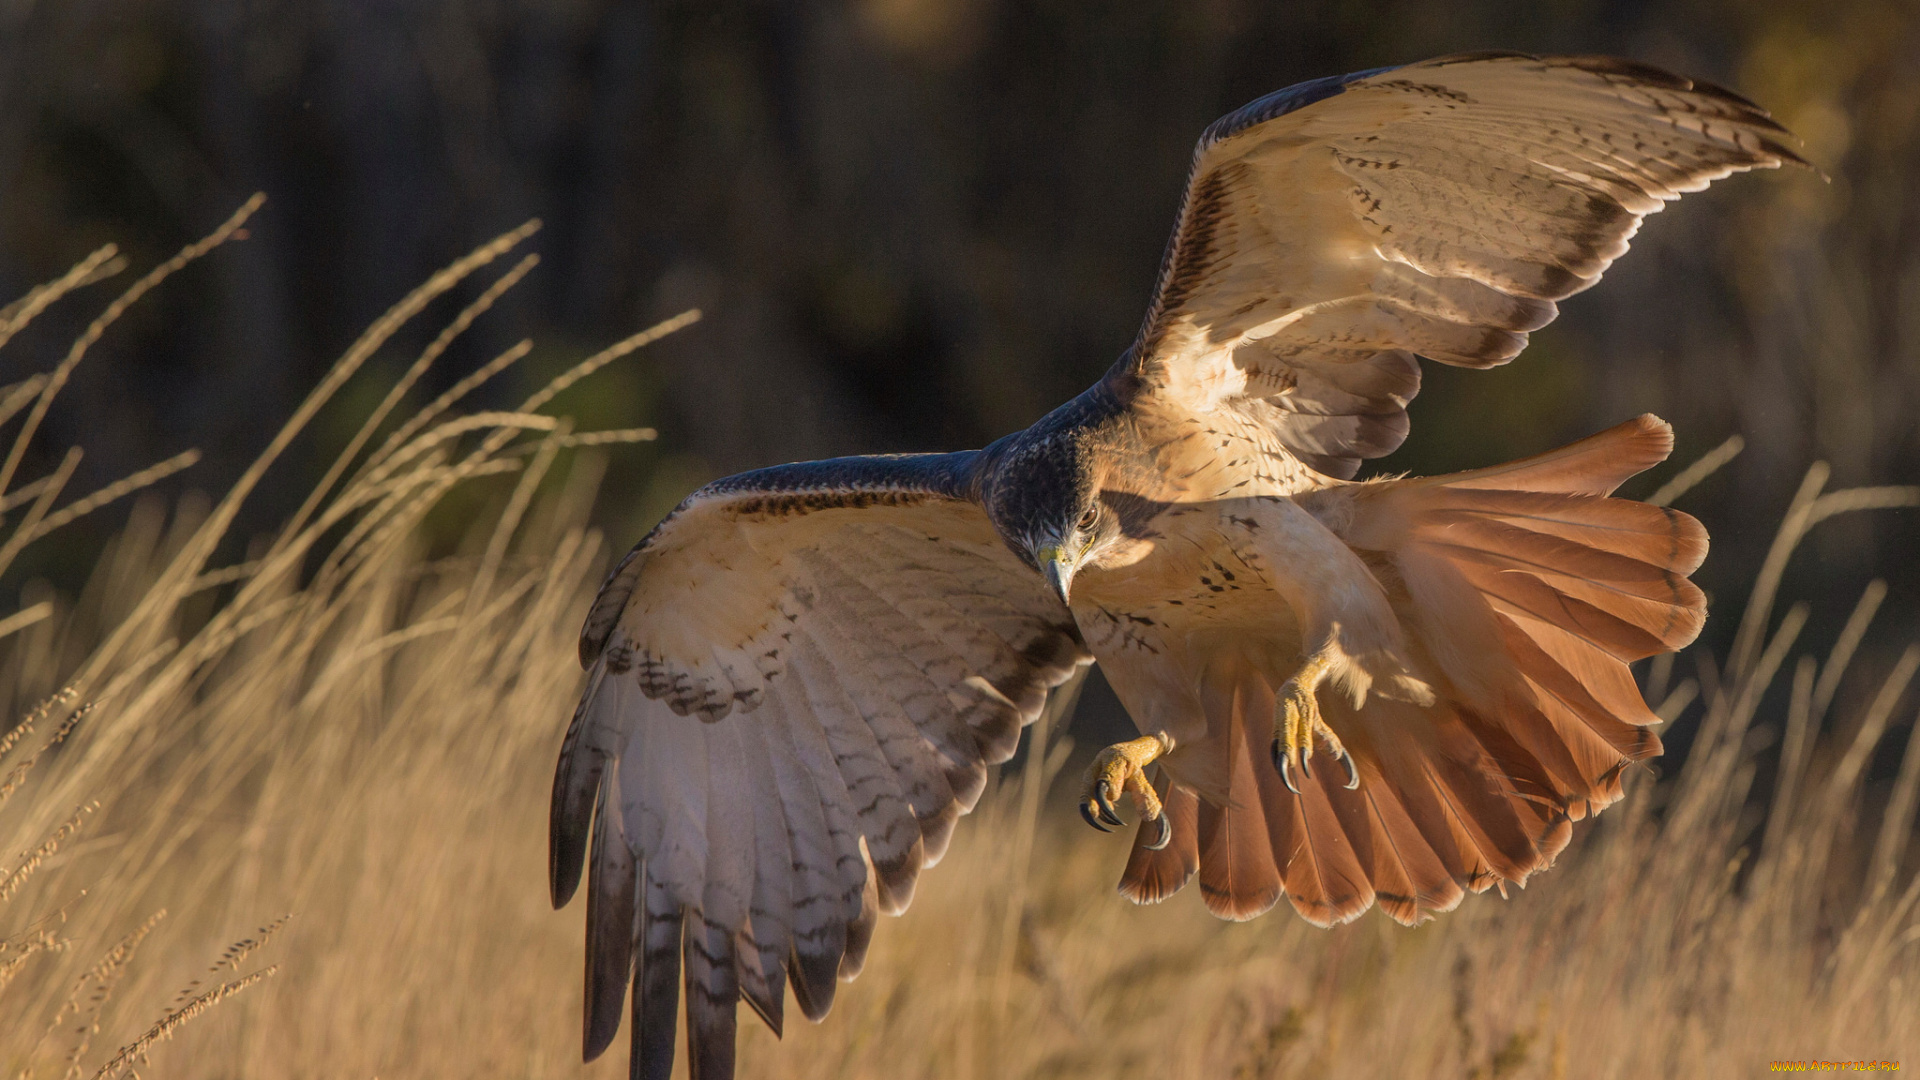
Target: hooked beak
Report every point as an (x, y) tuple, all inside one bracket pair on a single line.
[(1057, 567)]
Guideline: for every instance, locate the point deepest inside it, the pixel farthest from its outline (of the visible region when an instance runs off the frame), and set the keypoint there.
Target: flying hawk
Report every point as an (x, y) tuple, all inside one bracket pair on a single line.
[(1392, 691)]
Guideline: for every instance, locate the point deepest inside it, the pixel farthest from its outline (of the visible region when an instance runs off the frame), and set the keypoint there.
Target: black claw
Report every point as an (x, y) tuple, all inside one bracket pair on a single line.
[(1353, 773), (1086, 811), (1306, 763), (1166, 833), (1107, 813), (1286, 773)]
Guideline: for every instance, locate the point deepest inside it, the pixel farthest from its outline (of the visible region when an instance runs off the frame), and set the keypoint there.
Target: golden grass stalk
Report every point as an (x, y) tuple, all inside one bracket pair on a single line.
[(94, 989), (167, 1025), (15, 952), (103, 263), (398, 391), (40, 712), (57, 380), (12, 882), (18, 774), (1695, 474), (230, 960)]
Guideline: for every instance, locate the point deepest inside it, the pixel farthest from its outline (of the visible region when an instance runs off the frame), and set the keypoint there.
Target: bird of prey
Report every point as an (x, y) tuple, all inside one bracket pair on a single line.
[(1390, 691)]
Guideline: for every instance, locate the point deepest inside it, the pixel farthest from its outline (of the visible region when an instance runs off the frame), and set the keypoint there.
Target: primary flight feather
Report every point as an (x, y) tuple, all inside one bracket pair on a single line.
[(798, 681)]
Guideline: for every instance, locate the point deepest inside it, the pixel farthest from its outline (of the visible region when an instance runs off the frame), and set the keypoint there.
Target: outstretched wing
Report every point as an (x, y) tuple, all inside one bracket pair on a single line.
[(1333, 231), (796, 684)]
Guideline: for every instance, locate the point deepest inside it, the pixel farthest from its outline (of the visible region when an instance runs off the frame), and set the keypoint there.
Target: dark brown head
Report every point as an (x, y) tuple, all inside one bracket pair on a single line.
[(1043, 496)]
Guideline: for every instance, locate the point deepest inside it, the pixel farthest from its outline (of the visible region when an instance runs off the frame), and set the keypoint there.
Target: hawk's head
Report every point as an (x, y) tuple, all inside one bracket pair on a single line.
[(1043, 495)]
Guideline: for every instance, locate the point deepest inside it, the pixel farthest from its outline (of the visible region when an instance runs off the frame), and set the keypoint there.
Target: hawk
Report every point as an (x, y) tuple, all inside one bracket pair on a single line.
[(1390, 691)]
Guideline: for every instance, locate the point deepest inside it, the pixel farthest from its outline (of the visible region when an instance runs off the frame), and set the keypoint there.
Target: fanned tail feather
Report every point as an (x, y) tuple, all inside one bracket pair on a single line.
[(1524, 591), (1152, 876), (1596, 465), (1239, 875)]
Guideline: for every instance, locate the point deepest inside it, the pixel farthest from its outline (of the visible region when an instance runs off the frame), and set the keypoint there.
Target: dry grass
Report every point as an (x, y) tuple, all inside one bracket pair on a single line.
[(347, 730)]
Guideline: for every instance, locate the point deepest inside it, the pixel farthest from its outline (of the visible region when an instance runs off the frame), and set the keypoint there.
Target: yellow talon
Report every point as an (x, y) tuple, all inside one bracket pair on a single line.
[(1297, 720), (1121, 769)]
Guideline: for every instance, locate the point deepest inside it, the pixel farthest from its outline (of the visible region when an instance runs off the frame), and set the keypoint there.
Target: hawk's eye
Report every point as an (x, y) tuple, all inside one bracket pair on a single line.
[(1088, 519)]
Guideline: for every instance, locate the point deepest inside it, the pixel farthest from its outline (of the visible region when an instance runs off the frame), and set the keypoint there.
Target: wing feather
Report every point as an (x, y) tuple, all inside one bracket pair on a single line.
[(1335, 229), (768, 937), (713, 991), (818, 916), (842, 752), (799, 681), (838, 805), (941, 777), (893, 679), (610, 922), (584, 753), (656, 982)]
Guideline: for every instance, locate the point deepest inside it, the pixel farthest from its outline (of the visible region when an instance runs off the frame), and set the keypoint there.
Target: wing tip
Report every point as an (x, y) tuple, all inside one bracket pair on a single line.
[(769, 1009), (567, 831), (814, 976), (1774, 152), (563, 879), (577, 779)]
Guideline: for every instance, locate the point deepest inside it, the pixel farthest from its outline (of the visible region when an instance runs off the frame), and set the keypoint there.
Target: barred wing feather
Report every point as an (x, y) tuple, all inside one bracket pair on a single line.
[(1334, 231), (796, 685)]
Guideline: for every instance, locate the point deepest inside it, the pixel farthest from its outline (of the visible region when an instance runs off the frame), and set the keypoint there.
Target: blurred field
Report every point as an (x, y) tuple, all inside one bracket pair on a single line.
[(336, 753)]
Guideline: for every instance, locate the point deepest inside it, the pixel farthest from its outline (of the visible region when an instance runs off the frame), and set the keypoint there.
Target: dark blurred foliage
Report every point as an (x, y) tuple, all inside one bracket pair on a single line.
[(913, 224)]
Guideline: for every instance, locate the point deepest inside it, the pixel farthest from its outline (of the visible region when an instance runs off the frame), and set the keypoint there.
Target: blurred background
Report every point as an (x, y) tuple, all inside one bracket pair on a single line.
[(912, 225)]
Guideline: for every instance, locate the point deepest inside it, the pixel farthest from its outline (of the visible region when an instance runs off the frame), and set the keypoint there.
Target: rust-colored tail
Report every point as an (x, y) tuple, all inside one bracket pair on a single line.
[(1524, 591)]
